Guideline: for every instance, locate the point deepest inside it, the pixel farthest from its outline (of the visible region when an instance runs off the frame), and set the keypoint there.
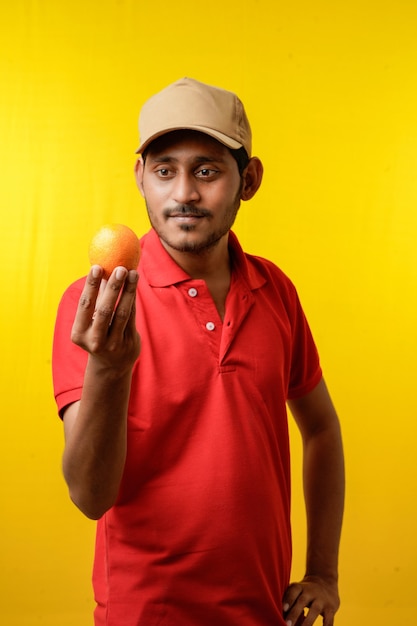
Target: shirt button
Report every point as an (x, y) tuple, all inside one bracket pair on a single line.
[(192, 292), (210, 326)]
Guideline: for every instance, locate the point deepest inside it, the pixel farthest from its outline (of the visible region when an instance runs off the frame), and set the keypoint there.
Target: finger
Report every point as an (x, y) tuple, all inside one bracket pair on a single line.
[(296, 616), (125, 310), (87, 301), (311, 617), (328, 618), (314, 611), (291, 596), (102, 288), (109, 296), (294, 621)]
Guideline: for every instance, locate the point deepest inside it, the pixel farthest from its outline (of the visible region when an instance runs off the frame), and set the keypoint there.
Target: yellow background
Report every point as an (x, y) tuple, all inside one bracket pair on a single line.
[(331, 91)]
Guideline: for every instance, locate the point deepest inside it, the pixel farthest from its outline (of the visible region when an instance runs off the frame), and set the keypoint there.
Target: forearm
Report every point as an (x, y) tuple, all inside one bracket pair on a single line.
[(95, 448), (95, 428), (324, 485)]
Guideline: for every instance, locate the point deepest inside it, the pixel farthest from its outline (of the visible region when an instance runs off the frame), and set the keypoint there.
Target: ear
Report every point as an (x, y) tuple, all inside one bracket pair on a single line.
[(139, 167), (252, 178)]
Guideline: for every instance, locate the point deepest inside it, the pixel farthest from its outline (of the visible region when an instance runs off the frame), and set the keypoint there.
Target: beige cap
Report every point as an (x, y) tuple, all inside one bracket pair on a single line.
[(190, 104)]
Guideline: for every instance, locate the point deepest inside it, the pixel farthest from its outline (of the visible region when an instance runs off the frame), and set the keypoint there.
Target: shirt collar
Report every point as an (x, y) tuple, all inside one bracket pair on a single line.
[(161, 270)]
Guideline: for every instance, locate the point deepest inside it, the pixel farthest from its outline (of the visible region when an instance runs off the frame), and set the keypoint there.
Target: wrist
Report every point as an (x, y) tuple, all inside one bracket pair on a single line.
[(108, 372), (331, 578)]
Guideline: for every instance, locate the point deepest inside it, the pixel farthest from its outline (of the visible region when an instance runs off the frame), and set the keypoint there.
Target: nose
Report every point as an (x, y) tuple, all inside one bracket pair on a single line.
[(185, 189)]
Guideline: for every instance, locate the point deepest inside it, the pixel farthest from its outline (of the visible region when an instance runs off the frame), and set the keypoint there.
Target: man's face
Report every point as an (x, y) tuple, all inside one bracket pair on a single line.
[(191, 185)]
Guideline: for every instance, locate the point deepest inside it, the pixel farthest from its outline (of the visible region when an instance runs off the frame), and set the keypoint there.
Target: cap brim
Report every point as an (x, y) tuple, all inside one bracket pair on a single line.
[(224, 139)]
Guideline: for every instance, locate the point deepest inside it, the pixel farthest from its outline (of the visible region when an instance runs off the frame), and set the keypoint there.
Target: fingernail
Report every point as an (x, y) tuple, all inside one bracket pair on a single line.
[(132, 276), (95, 270), (286, 607), (120, 273), (288, 622)]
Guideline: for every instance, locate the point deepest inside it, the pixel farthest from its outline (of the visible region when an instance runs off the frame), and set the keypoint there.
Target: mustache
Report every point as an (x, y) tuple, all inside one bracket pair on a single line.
[(184, 210)]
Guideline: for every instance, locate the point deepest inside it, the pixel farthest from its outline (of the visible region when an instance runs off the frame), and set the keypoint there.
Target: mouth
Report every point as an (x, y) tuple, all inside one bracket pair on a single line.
[(180, 217), (186, 214)]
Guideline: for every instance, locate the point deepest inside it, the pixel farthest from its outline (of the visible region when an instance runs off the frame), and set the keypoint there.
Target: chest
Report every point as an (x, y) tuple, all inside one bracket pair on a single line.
[(185, 341)]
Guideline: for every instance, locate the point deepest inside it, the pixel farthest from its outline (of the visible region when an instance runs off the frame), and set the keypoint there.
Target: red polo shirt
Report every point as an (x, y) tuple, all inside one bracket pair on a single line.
[(200, 534)]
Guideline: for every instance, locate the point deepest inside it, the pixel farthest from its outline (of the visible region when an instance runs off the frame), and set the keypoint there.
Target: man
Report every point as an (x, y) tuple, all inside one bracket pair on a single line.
[(173, 393)]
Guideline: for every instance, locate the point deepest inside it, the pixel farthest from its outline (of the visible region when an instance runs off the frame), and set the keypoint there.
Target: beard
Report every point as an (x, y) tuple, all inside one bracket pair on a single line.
[(194, 245)]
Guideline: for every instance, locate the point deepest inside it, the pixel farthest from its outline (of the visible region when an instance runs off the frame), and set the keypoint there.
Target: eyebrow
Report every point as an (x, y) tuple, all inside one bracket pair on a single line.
[(197, 159)]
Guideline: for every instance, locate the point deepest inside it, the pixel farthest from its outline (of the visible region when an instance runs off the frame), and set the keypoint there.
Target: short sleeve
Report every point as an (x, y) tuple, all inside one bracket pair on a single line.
[(306, 371), (68, 360)]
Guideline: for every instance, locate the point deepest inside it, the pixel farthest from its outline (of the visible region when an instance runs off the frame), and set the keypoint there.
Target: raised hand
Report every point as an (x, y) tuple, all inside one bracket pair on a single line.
[(104, 324)]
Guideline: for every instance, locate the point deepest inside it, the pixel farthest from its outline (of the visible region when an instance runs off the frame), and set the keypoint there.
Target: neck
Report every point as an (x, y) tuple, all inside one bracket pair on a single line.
[(211, 265), (205, 264)]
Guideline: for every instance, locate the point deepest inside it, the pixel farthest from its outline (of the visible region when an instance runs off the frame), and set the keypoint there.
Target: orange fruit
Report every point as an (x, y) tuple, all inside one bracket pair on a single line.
[(113, 245)]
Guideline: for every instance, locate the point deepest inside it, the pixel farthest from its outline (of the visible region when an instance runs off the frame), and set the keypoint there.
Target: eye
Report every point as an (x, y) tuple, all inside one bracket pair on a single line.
[(205, 172), (163, 172)]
